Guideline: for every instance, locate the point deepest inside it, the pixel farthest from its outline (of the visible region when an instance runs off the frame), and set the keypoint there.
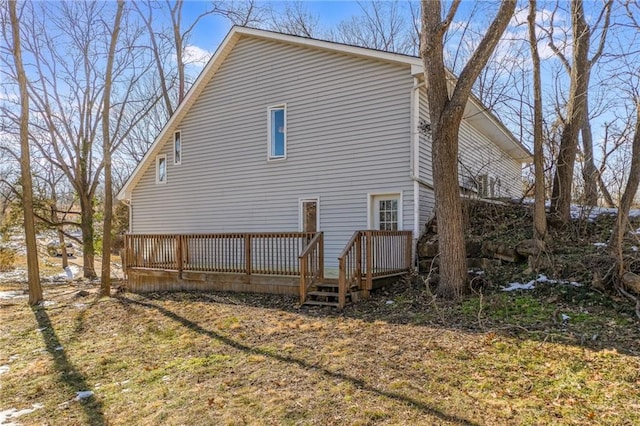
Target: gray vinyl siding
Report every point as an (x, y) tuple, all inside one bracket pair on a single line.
[(348, 134), (478, 155), (426, 208), (425, 171)]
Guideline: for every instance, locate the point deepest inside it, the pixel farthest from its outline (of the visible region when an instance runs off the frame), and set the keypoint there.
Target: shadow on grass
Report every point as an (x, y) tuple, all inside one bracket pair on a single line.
[(359, 383), (69, 376), (411, 305)]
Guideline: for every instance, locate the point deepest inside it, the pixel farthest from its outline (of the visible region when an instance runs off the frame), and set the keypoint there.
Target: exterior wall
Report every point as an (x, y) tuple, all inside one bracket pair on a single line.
[(348, 135), (478, 155)]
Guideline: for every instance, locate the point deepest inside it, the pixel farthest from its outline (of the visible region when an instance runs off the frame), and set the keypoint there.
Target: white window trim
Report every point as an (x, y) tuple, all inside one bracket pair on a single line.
[(166, 169), (283, 107), (177, 132), (370, 207), (301, 201)]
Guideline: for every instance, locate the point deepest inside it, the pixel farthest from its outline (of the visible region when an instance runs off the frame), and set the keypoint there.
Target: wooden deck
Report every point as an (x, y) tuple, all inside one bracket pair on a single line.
[(280, 263)]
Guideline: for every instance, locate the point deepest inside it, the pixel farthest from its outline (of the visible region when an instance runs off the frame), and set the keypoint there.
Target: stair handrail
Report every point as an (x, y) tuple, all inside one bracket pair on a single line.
[(350, 267), (311, 264)]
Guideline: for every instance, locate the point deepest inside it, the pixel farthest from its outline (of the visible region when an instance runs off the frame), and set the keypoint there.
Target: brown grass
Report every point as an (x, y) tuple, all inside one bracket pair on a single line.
[(219, 358)]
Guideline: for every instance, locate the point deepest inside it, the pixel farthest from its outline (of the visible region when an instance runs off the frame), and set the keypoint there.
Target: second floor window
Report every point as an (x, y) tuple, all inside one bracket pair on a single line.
[(161, 169), (277, 132), (177, 148)]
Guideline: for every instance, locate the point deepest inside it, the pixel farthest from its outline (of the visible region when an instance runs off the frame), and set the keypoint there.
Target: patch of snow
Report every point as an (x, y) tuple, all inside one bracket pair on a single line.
[(13, 413), (14, 357), (4, 369), (634, 249), (565, 317), (519, 286), (542, 278), (46, 303), (58, 348), (390, 302), (83, 395), (600, 245), (575, 284), (12, 294), (166, 378)]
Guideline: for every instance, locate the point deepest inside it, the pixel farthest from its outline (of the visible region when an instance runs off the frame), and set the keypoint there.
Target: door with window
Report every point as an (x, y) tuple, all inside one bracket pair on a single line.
[(386, 212), (309, 215)]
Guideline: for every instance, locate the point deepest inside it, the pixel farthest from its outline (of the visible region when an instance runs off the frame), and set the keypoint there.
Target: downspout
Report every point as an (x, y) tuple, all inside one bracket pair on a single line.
[(415, 162)]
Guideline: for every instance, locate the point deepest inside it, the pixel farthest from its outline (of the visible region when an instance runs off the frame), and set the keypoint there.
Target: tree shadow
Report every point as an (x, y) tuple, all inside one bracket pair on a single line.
[(359, 383), (377, 309), (69, 376)]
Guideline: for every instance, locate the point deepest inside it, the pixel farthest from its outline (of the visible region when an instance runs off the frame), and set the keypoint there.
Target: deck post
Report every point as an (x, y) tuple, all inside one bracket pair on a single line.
[(359, 260), (303, 279), (342, 283), (247, 253), (369, 253), (321, 256), (179, 255), (409, 252)]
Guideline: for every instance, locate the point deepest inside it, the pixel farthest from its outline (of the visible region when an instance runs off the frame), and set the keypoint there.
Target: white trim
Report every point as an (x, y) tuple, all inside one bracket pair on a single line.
[(390, 194), (416, 209), (283, 107), (166, 169), (179, 133), (301, 202)]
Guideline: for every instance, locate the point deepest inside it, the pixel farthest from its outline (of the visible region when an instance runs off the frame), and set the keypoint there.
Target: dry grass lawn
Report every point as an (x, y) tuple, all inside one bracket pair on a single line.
[(218, 359)]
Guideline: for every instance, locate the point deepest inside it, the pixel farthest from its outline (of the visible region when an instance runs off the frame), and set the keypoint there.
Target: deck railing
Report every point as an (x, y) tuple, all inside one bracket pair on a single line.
[(242, 253), (311, 265), (372, 254)]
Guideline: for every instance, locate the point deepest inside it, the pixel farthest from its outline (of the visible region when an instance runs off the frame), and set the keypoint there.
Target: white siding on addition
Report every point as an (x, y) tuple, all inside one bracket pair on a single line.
[(348, 135)]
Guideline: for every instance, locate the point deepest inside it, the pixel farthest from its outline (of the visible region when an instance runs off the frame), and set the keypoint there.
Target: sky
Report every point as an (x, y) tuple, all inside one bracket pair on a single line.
[(212, 31)]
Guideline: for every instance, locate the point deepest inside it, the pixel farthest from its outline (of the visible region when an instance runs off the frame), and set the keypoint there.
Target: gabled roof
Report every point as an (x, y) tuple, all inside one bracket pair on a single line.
[(482, 118)]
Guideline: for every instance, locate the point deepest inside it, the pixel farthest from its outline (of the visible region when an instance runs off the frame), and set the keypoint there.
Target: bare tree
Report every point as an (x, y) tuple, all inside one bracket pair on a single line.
[(539, 216), (294, 19), (630, 191), (382, 25), (446, 109), (35, 289), (69, 41), (105, 276), (577, 111)]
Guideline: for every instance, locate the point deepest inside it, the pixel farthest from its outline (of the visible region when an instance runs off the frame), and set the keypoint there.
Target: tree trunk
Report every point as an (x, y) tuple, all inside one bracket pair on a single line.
[(633, 181), (33, 269), (563, 177), (453, 257), (589, 170), (105, 274), (539, 214), (446, 113), (86, 225)]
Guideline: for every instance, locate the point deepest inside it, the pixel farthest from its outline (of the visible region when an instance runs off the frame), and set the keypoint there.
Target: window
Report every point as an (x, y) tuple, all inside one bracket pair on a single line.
[(385, 212), (488, 186), (387, 215), (309, 215), (277, 132), (177, 148), (161, 169)]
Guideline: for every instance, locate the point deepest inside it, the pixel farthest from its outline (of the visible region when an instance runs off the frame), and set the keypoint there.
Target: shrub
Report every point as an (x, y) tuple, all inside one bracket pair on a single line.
[(7, 259)]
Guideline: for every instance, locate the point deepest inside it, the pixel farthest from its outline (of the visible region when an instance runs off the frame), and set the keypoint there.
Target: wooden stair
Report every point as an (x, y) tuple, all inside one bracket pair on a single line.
[(325, 293)]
